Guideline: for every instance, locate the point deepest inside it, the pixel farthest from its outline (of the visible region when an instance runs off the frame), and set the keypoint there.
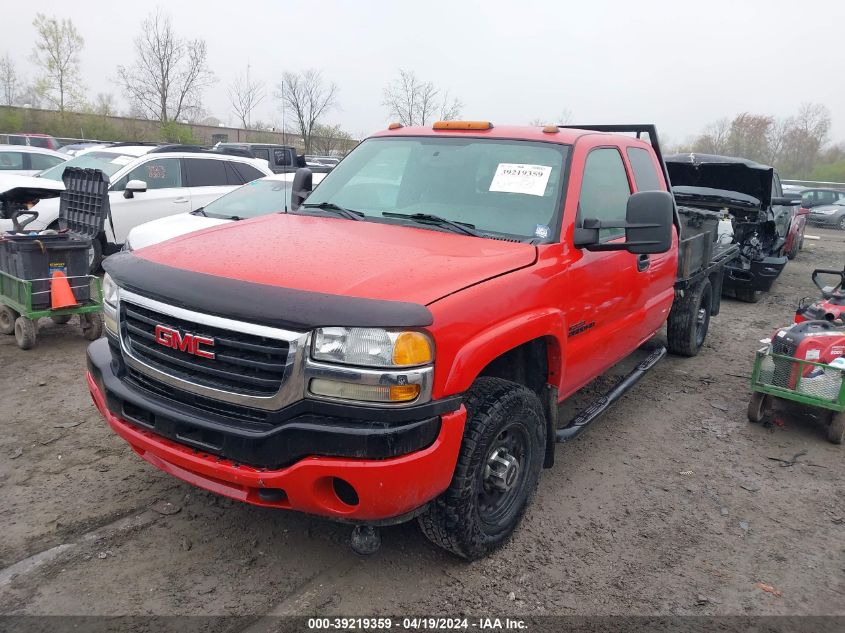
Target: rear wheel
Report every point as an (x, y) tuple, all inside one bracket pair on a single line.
[(836, 430), (26, 332), (497, 471), (7, 320), (758, 406), (689, 320)]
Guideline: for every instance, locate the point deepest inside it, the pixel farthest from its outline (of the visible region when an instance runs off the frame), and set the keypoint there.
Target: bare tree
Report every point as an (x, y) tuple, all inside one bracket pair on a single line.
[(412, 101), (307, 98), (8, 80), (563, 118), (715, 138), (169, 74), (104, 105), (245, 95), (330, 139), (56, 52)]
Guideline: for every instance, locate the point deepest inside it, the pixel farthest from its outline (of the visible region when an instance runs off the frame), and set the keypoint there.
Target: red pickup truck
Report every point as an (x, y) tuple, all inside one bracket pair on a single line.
[(396, 344)]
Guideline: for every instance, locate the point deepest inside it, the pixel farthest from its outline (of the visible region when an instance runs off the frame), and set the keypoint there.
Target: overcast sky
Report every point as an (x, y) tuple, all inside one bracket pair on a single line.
[(679, 64)]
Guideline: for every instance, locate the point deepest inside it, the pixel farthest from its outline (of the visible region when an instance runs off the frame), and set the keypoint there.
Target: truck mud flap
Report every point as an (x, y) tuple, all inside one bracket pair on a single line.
[(760, 276), (593, 411)]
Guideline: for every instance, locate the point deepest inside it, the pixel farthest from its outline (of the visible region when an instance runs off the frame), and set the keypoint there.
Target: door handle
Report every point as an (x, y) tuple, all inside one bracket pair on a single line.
[(643, 262), (181, 199)]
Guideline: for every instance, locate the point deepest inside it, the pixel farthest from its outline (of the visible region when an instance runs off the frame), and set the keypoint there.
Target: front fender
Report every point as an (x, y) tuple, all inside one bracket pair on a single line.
[(478, 351)]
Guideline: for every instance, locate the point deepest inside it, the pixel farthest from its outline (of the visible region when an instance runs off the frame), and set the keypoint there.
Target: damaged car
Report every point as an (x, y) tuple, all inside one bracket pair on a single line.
[(750, 195)]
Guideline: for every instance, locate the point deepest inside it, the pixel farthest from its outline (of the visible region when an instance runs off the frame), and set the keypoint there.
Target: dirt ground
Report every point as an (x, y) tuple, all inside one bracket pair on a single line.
[(671, 504)]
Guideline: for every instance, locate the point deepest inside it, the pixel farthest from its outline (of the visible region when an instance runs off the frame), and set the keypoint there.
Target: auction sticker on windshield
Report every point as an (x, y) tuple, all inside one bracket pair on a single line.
[(527, 179)]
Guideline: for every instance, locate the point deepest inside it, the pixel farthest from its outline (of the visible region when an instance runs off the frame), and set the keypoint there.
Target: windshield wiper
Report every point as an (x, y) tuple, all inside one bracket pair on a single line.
[(427, 218), (341, 211), (200, 211)]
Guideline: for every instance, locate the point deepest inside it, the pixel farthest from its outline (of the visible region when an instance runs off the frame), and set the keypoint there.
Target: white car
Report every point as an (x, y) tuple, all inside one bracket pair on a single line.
[(150, 182), (259, 197), (27, 160)]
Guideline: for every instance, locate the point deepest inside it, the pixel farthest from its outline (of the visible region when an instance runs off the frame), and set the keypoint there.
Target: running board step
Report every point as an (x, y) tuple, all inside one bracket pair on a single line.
[(591, 413)]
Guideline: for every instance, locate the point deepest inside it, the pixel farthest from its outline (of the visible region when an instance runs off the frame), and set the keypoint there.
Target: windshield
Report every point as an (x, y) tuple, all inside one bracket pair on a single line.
[(107, 162), (495, 185), (255, 198)]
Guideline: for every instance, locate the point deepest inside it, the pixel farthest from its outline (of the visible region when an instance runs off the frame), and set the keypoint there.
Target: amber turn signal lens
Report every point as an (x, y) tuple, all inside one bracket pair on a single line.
[(401, 393), (463, 125), (412, 348)]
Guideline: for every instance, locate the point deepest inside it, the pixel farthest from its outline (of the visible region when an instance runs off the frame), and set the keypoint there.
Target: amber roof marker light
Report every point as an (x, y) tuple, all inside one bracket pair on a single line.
[(463, 125), (394, 126), (551, 129)]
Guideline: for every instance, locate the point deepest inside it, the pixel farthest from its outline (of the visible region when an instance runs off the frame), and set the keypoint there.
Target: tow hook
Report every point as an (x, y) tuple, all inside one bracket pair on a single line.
[(365, 540)]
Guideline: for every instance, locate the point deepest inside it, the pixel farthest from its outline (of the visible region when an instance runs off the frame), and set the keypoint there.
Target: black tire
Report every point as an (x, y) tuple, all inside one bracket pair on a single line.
[(748, 296), (481, 508), (60, 319), (7, 320), (26, 332), (836, 430), (92, 325), (689, 320), (95, 256), (758, 406), (841, 225)]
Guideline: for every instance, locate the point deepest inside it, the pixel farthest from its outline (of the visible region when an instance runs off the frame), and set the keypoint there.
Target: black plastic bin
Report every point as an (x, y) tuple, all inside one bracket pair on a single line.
[(83, 208), (36, 259)]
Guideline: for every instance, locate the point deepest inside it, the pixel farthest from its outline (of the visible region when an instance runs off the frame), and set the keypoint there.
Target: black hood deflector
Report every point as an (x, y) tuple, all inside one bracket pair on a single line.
[(258, 303), (722, 172)]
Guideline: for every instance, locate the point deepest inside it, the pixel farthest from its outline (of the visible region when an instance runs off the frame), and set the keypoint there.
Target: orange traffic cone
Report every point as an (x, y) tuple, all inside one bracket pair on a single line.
[(61, 296)]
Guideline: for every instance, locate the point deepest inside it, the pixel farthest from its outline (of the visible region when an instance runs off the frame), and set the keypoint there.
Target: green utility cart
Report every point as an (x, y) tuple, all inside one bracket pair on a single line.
[(46, 274), (819, 386)]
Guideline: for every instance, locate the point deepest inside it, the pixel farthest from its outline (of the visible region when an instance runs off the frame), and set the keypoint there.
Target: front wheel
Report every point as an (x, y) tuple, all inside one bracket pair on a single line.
[(758, 406), (497, 471), (26, 332)]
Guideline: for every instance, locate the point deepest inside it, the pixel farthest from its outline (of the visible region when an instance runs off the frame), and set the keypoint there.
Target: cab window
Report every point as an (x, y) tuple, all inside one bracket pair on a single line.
[(645, 173), (604, 189)]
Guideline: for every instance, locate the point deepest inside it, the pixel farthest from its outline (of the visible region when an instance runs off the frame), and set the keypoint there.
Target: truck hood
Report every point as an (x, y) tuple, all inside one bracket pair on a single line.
[(167, 228), (336, 256), (724, 173)]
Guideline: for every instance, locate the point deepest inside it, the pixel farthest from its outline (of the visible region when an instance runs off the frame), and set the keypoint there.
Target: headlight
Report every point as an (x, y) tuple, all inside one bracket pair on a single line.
[(372, 347), (109, 290)]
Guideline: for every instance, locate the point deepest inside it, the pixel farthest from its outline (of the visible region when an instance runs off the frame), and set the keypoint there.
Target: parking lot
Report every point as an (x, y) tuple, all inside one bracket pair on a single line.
[(673, 503)]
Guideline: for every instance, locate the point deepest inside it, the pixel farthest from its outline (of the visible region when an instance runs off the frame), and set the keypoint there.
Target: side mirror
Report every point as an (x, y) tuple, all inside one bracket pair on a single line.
[(133, 187), (302, 186), (649, 218), (784, 202)]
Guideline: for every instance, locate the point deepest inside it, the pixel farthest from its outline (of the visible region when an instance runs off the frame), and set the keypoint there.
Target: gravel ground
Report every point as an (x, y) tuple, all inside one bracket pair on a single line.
[(669, 505)]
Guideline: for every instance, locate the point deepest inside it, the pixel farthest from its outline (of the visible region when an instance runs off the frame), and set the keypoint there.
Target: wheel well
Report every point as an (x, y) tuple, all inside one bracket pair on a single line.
[(527, 365)]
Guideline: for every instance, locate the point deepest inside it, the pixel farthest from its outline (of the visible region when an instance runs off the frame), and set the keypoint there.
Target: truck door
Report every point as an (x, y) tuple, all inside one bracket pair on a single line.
[(662, 267), (607, 290)]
